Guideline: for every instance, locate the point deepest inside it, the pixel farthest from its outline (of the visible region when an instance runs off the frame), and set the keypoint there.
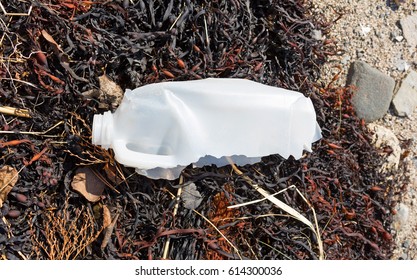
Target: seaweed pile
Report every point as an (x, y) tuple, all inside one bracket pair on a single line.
[(53, 52)]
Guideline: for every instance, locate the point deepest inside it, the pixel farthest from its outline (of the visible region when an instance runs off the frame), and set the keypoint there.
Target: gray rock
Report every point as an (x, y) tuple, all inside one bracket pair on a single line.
[(374, 91), (405, 100), (409, 27)]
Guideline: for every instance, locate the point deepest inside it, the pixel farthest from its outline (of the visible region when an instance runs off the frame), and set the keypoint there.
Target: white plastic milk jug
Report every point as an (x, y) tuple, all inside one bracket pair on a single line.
[(161, 128)]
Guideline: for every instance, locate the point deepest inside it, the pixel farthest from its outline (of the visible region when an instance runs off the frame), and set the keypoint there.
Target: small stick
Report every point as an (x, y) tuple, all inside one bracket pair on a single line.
[(42, 133), (17, 80), (206, 31), (175, 21), (15, 111), (101, 178), (109, 231), (15, 14), (174, 213), (225, 238)]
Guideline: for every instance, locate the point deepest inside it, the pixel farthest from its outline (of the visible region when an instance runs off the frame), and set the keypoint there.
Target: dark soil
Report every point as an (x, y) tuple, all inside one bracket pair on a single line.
[(52, 56)]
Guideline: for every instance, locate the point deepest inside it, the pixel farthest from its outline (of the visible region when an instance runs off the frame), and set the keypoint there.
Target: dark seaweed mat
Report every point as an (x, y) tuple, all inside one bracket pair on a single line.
[(266, 41)]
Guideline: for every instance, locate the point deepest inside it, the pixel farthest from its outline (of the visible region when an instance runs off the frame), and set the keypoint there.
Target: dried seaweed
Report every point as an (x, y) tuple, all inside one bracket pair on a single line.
[(53, 55)]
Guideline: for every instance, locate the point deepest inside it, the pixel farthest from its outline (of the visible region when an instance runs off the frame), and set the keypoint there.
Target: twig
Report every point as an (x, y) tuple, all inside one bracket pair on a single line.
[(42, 133), (272, 248), (109, 231), (9, 235), (317, 231), (20, 81), (206, 31), (174, 213), (15, 111), (175, 21), (225, 238), (101, 178)]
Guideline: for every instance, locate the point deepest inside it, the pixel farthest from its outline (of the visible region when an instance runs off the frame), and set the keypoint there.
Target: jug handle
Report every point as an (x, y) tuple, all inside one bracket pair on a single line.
[(141, 160)]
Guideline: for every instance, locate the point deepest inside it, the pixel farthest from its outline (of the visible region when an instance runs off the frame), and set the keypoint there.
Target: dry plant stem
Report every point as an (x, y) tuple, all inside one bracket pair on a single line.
[(15, 14), (15, 112), (250, 248), (42, 133), (175, 21), (17, 80), (259, 200), (225, 238), (9, 235), (272, 248), (101, 178), (65, 240), (293, 213), (109, 231), (317, 231), (177, 202)]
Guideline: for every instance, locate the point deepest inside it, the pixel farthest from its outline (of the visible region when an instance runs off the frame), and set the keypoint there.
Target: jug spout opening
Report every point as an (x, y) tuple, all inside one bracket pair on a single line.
[(102, 129)]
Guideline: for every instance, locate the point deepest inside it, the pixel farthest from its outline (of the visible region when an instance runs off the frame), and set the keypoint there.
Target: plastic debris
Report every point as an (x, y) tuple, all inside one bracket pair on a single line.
[(162, 128)]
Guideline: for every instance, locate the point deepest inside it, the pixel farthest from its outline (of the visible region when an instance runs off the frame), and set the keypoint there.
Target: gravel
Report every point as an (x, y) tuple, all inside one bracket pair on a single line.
[(371, 31)]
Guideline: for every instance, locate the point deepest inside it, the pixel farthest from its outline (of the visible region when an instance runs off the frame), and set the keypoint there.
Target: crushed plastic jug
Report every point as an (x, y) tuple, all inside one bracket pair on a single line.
[(161, 128)]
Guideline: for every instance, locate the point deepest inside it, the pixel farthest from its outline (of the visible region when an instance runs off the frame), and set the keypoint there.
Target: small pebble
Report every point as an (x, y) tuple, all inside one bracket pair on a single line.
[(399, 38), (401, 219), (316, 35), (345, 60), (13, 214), (404, 256), (360, 53), (402, 65), (406, 244)]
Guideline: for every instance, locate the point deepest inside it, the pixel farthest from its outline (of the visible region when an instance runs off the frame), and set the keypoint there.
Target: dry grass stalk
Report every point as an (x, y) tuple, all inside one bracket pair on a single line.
[(225, 238), (15, 111), (10, 235), (177, 202), (219, 215), (291, 211), (92, 154), (15, 14), (41, 133), (108, 232), (274, 249), (259, 200)]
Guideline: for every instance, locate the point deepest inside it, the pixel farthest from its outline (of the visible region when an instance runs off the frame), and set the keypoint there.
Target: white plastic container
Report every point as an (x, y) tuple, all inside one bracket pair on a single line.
[(162, 128)]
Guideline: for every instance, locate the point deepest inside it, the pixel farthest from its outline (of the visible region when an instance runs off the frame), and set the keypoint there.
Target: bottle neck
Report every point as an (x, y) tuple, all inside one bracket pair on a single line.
[(102, 129)]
